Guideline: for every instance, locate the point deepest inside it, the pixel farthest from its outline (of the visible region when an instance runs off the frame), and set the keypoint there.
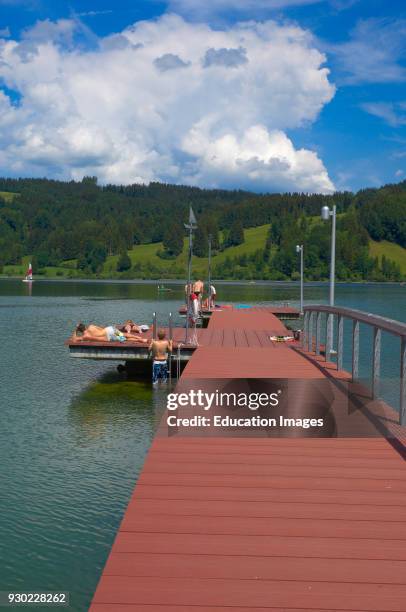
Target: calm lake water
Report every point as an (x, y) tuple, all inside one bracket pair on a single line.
[(74, 433)]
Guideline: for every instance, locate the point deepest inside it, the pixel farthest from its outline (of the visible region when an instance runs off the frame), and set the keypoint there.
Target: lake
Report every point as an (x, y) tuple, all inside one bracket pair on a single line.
[(74, 433)]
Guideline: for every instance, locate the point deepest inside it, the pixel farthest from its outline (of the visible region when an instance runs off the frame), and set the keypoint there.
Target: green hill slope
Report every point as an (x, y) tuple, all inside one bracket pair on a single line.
[(8, 196), (142, 254), (144, 257), (391, 250)]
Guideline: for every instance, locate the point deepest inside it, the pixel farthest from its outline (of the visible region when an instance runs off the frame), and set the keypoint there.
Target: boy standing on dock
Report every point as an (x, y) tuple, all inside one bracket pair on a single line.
[(198, 289), (160, 349)]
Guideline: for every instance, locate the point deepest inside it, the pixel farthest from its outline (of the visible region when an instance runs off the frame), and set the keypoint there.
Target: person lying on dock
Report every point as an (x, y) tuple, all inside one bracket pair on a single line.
[(160, 349), (95, 333), (129, 327)]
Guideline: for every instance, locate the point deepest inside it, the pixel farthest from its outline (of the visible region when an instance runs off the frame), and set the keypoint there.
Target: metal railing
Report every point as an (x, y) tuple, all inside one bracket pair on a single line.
[(312, 337)]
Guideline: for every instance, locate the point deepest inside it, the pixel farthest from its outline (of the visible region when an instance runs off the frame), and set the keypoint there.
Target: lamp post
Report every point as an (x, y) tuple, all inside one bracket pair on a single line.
[(209, 271), (191, 226), (326, 213), (299, 249)]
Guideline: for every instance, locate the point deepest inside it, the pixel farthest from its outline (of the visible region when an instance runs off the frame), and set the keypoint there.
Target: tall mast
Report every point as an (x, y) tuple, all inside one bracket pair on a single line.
[(209, 279), (191, 226)]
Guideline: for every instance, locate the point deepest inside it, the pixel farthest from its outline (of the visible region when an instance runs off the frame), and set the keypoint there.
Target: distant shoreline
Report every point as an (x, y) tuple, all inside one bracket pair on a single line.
[(171, 281)]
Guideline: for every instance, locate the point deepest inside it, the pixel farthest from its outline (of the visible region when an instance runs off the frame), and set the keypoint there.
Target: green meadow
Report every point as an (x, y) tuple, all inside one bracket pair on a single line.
[(391, 251)]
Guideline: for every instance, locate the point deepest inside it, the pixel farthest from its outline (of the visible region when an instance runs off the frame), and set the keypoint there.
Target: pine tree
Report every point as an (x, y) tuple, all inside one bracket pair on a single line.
[(173, 240), (236, 235), (213, 230), (124, 262), (200, 242)]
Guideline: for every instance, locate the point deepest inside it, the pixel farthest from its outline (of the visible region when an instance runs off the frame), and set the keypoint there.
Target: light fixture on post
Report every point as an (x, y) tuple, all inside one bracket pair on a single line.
[(326, 213), (191, 226), (299, 249)]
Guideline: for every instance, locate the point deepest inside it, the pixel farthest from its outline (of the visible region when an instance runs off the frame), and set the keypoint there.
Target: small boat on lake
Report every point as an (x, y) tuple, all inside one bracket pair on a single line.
[(29, 276), (163, 288)]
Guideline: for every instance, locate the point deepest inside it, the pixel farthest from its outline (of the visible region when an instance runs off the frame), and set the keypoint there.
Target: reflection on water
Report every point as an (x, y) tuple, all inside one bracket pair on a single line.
[(108, 403), (74, 433)]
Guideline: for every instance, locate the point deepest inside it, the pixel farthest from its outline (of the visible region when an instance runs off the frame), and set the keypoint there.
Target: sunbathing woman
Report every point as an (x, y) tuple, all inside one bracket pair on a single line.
[(110, 333), (130, 327)]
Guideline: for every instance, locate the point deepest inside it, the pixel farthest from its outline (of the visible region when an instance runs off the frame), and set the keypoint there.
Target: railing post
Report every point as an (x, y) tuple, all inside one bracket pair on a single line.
[(170, 334), (154, 326), (318, 330), (305, 329), (402, 403), (170, 327), (340, 342), (329, 335), (310, 333), (355, 350), (376, 362)]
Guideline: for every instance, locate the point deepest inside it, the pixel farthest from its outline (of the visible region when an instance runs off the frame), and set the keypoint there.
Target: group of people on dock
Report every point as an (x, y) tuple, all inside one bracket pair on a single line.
[(159, 347), (111, 333), (195, 291)]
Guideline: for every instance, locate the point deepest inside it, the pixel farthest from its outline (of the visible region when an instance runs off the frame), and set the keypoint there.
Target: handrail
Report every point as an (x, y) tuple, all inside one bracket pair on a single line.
[(385, 324), (377, 322)]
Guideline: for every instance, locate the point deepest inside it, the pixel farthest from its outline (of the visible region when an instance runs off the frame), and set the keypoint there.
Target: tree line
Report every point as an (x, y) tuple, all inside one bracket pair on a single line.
[(57, 221)]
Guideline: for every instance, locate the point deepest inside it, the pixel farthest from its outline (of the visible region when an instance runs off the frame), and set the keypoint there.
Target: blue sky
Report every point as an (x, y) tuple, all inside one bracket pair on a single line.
[(304, 95)]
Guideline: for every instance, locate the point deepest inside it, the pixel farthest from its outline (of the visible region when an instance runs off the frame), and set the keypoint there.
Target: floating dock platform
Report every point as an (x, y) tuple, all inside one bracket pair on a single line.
[(133, 351)]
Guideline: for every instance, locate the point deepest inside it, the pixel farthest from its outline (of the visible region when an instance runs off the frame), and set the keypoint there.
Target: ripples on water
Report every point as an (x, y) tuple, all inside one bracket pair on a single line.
[(74, 433)]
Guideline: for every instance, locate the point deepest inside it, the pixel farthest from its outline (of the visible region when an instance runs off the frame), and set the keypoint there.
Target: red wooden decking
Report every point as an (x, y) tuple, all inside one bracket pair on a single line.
[(216, 525)]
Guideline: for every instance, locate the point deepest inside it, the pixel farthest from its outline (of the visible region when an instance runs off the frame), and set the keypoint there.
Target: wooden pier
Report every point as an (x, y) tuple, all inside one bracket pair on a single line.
[(256, 524)]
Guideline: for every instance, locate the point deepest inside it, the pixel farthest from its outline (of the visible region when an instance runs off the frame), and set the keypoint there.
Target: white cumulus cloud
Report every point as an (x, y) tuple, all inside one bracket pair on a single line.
[(164, 100)]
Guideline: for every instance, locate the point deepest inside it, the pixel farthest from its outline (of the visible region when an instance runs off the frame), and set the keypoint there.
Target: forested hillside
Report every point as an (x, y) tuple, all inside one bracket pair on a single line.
[(85, 229)]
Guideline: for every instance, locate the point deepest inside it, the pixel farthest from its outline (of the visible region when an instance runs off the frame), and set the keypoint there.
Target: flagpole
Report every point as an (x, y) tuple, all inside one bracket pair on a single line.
[(209, 279), (192, 225)]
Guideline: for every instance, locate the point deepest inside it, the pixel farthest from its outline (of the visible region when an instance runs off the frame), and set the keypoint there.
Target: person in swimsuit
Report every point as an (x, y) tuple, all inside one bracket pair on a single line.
[(129, 327), (95, 333), (198, 289), (160, 349), (213, 295)]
